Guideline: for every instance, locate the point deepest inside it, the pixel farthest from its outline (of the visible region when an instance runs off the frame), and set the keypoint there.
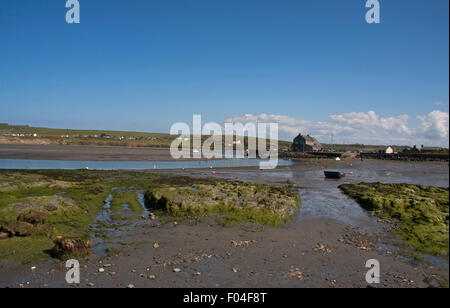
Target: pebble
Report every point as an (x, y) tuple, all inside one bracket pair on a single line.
[(101, 270), (156, 245), (177, 270), (152, 277)]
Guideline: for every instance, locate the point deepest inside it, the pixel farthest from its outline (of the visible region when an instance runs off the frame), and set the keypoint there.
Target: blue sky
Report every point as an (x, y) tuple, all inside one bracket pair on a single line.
[(143, 65)]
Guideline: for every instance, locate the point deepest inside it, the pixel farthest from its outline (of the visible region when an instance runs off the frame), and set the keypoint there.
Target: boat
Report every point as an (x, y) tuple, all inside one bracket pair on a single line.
[(334, 174)]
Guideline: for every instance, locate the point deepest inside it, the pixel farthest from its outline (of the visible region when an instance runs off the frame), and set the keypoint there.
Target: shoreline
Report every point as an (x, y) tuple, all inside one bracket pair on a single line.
[(318, 249), (87, 153)]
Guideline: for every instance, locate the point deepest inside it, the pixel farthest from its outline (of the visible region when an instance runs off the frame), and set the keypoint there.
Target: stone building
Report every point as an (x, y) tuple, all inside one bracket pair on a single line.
[(306, 144)]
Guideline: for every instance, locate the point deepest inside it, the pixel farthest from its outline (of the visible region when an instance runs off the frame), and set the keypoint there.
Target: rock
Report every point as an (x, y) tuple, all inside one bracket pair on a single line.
[(101, 270), (131, 286), (90, 284), (33, 268), (17, 228), (152, 277), (33, 217), (177, 270), (197, 274), (68, 247), (155, 245), (235, 270), (4, 235)]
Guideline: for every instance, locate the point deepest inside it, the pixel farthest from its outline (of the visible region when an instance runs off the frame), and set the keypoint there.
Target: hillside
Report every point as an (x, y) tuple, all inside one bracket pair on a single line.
[(14, 134)]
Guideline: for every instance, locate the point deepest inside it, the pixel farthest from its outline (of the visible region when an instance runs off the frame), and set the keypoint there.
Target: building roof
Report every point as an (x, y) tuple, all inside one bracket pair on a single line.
[(310, 139)]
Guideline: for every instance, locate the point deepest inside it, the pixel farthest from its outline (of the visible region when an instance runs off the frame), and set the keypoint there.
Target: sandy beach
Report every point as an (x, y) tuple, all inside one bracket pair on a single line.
[(83, 153)]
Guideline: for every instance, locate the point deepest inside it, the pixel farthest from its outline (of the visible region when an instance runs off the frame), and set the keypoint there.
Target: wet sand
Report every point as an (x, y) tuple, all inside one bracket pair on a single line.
[(327, 246), (207, 257), (83, 153)]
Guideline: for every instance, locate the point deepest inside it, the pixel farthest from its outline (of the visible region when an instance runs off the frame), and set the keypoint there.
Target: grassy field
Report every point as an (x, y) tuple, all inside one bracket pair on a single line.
[(422, 212), (83, 137), (39, 208), (12, 134)]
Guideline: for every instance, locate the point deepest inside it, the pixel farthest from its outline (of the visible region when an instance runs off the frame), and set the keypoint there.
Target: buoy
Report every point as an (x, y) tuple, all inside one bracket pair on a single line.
[(214, 173)]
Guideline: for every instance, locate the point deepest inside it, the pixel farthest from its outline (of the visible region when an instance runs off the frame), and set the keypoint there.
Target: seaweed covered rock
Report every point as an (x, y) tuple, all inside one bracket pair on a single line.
[(422, 211), (33, 217), (66, 248), (236, 201), (22, 229)]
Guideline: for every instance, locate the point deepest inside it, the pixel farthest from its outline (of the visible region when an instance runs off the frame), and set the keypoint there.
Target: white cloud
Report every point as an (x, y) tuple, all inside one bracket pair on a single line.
[(434, 126), (361, 127), (371, 120)]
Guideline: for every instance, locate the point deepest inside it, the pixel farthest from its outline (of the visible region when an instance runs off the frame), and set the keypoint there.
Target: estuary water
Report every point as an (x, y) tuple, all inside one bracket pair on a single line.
[(131, 165)]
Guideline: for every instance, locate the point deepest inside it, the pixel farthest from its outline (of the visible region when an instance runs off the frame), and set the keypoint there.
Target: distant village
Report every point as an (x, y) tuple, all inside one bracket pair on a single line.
[(304, 146), (102, 136), (95, 136), (308, 143)]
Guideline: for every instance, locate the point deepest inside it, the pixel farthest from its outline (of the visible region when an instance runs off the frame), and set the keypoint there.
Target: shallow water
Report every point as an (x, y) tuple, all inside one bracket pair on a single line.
[(131, 165), (99, 245), (322, 199), (146, 212), (105, 215)]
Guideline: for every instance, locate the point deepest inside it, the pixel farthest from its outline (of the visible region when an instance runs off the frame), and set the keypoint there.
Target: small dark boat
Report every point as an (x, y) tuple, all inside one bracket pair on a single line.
[(334, 174)]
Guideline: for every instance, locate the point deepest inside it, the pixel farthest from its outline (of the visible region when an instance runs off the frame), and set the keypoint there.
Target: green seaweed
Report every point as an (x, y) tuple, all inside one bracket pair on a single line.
[(38, 206), (421, 211), (231, 202)]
